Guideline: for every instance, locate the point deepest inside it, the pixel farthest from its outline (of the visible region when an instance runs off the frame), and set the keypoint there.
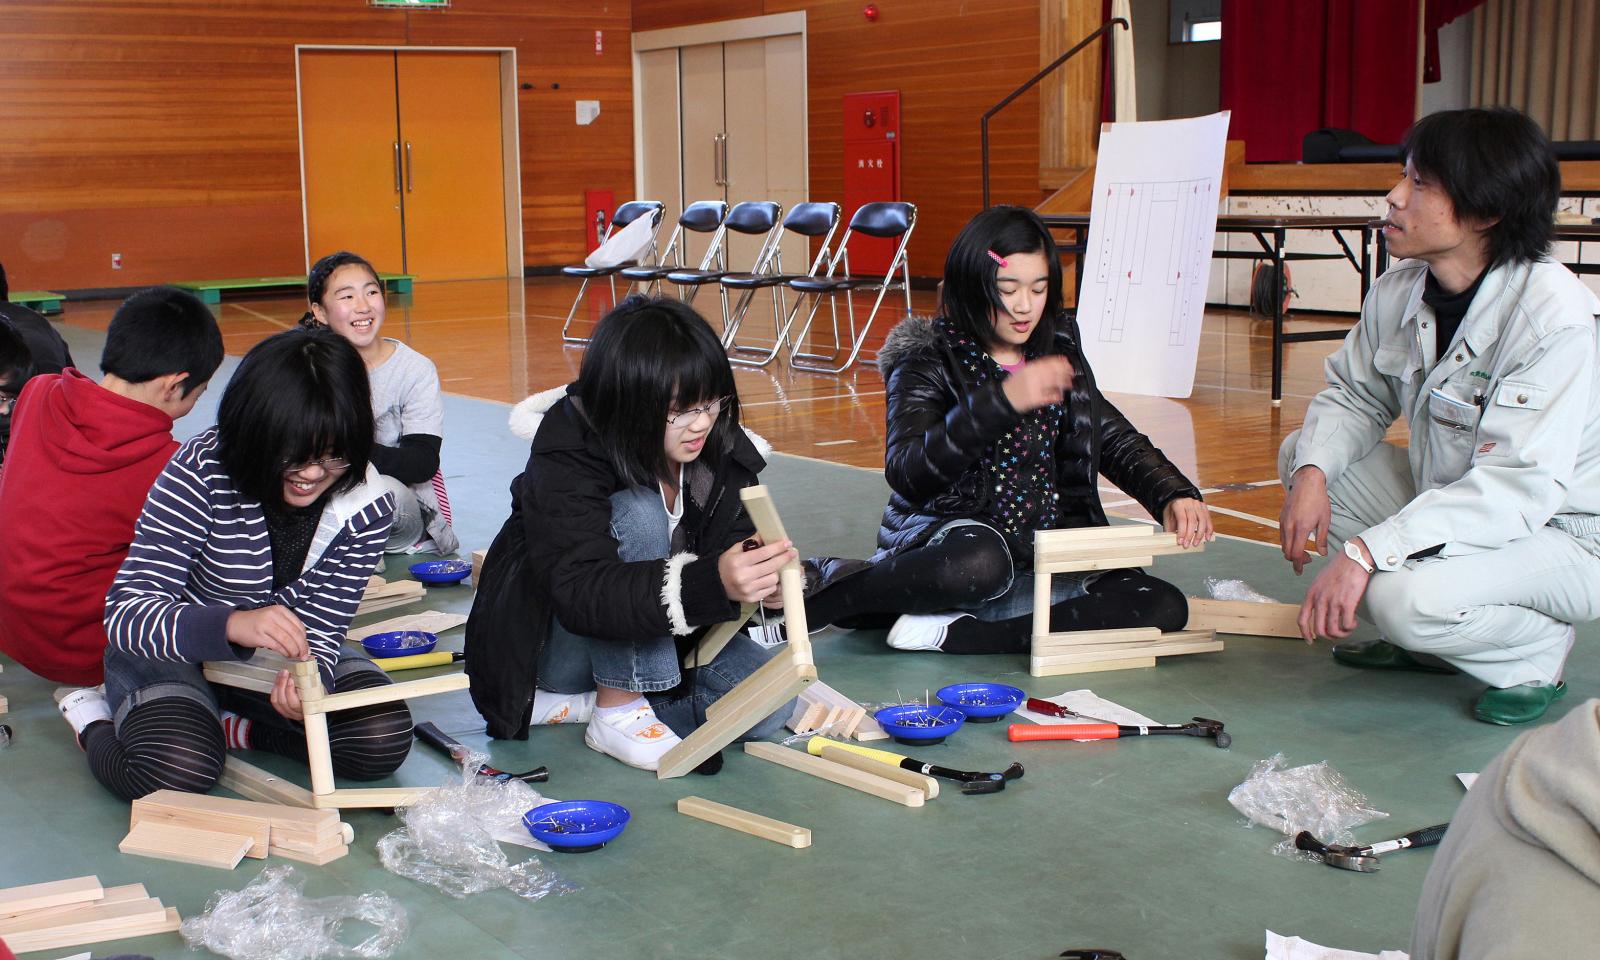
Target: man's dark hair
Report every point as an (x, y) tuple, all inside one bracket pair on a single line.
[(969, 296), (298, 396), (160, 331), (648, 358), (1495, 164)]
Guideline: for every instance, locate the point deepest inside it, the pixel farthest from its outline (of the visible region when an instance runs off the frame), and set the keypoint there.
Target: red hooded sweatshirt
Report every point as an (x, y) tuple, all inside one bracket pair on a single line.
[(81, 462)]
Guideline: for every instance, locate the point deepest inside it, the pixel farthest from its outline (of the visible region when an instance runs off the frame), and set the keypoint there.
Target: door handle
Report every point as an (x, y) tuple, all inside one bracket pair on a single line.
[(724, 159), (397, 166), (716, 159), (411, 183)]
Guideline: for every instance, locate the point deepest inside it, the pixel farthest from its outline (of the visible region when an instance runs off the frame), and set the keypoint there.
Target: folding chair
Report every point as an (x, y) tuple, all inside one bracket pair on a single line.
[(752, 218), (809, 220), (887, 219), (702, 216), (626, 214)]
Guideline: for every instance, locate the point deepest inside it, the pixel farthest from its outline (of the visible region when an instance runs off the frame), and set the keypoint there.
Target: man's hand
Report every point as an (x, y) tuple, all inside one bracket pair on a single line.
[(1306, 514), (749, 576), (1189, 519), (1039, 383), (273, 627), (1329, 609), (285, 697)]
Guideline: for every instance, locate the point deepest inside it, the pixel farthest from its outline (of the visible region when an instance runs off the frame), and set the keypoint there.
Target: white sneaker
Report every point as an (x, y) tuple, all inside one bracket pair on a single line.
[(83, 707), (561, 707), (636, 737), (922, 631)]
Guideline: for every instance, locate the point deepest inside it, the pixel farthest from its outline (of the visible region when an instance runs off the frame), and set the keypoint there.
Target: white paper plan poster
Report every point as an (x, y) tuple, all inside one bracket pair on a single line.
[(1151, 229)]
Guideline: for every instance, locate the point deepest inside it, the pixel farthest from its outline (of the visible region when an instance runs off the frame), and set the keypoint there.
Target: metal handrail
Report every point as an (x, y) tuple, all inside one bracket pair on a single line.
[(1057, 62)]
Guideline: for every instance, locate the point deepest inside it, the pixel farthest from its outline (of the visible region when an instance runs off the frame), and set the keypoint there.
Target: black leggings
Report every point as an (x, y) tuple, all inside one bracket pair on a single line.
[(967, 567), (176, 743)]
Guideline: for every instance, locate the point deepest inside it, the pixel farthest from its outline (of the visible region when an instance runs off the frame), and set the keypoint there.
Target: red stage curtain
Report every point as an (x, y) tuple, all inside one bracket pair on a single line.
[(1439, 13), (1289, 68)]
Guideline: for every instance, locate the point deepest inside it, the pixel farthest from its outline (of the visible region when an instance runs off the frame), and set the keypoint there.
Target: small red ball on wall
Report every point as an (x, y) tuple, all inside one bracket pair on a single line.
[(870, 11)]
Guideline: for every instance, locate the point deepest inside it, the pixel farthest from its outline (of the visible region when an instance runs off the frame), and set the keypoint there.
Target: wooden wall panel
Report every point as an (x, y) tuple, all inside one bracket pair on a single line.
[(168, 127), (950, 59)]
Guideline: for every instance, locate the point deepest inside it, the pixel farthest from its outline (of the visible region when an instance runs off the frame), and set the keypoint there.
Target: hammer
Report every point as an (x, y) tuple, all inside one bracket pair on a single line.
[(1365, 859), (1199, 727), (971, 781)]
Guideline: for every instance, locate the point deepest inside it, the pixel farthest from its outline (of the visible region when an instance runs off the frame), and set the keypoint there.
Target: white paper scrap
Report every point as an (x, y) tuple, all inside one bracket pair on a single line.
[(1294, 948), (1085, 702)]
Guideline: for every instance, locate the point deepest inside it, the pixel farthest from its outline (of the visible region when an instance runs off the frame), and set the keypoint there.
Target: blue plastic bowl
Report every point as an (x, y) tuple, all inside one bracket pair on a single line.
[(982, 702), (914, 723), (576, 826), (441, 571), (398, 643)]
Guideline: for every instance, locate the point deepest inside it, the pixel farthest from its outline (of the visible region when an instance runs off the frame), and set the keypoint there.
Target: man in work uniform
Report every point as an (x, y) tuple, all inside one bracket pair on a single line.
[(1478, 547)]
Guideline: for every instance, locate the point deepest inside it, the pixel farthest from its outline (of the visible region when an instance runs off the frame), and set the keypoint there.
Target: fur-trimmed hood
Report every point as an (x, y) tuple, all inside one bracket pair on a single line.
[(527, 415), (911, 337)]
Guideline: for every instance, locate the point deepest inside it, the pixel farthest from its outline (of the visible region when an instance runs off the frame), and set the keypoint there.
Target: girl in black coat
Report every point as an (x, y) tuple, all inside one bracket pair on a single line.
[(995, 430), (626, 539)]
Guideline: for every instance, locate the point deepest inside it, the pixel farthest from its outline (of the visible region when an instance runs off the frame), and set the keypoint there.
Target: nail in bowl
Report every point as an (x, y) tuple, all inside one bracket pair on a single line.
[(981, 702), (917, 724), (441, 571), (398, 643), (576, 826)]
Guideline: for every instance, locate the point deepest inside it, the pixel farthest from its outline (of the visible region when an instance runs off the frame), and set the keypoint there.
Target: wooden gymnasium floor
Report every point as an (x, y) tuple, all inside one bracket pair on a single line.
[(500, 340)]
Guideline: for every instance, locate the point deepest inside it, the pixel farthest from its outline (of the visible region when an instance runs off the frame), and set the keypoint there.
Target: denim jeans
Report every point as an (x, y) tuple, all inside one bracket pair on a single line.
[(1016, 600), (570, 663)]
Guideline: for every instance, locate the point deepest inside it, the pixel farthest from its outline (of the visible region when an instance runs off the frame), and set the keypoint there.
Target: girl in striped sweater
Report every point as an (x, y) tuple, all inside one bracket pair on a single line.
[(259, 534)]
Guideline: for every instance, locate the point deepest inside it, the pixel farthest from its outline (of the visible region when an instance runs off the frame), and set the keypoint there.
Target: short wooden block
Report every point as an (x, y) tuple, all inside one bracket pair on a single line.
[(72, 935), (869, 783), (1245, 618), (478, 558), (745, 822), (5, 705), (53, 893), (168, 841), (806, 717)]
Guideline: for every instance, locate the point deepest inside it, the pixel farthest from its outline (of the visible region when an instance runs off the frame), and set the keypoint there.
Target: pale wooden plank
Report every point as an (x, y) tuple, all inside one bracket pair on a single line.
[(428, 621), (82, 914), (830, 751), (167, 922), (745, 822), (1245, 618), (52, 893), (1100, 666), (749, 705), (253, 783), (863, 781), (123, 894), (1071, 638), (372, 797), (717, 637), (183, 844), (388, 693)]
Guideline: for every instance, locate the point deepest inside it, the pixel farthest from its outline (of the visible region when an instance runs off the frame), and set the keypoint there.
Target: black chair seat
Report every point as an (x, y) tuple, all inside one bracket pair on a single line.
[(830, 284), (755, 281), (593, 271), (647, 273), (694, 277)]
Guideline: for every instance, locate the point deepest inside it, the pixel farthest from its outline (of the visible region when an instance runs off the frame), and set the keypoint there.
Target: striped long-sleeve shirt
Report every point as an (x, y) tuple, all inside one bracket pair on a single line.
[(201, 551)]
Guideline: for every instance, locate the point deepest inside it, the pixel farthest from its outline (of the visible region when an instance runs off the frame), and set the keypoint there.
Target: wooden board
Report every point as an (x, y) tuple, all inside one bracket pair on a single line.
[(428, 621), (253, 783), (1096, 666), (101, 912), (230, 815), (837, 773), (388, 693), (745, 822), (1245, 618), (257, 828), (1075, 637), (183, 844), (372, 797), (97, 930), (52, 893), (123, 894), (717, 637), (928, 785)]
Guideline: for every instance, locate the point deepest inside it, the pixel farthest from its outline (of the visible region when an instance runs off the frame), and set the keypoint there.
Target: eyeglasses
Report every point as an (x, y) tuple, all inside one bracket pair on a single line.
[(329, 465), (685, 417)]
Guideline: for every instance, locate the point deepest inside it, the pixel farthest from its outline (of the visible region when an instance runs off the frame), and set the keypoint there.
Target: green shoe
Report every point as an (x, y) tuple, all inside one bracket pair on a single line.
[(1520, 704), (1383, 655)]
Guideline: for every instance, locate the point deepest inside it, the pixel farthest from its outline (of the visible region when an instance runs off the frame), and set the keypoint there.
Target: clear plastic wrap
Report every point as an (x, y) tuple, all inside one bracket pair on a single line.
[(272, 919), (448, 839), (1313, 797), (1221, 588)]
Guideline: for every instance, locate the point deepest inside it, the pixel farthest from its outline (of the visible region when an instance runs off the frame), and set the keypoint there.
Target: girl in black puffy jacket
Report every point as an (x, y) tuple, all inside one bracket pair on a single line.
[(996, 430)]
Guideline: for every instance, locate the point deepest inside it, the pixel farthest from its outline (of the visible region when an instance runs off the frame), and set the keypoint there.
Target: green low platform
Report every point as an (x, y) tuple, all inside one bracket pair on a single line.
[(211, 291), (44, 301)]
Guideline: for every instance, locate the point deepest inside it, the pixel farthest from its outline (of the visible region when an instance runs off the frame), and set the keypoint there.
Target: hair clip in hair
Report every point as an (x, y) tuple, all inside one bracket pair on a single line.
[(997, 258)]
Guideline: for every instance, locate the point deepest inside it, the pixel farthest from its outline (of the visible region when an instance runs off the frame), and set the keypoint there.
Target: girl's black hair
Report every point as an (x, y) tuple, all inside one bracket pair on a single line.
[(1494, 164), (317, 279), (970, 297), (649, 357), (298, 396)]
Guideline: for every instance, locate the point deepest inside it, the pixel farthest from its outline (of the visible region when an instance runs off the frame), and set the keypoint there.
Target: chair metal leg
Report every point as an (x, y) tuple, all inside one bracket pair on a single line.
[(759, 357), (858, 338), (565, 327)]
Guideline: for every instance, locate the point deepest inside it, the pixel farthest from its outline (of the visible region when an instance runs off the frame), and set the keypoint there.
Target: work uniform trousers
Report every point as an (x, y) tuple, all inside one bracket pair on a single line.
[(1502, 615)]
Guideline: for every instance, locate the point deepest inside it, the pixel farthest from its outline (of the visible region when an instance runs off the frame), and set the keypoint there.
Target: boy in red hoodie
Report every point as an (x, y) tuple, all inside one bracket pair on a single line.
[(81, 461)]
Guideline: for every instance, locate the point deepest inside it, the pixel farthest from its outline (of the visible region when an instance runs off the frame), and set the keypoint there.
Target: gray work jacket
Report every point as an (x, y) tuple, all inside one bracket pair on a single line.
[(1505, 427)]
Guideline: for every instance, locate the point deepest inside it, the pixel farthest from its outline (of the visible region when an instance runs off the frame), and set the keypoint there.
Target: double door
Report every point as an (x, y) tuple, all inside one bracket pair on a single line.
[(725, 121), (404, 161)]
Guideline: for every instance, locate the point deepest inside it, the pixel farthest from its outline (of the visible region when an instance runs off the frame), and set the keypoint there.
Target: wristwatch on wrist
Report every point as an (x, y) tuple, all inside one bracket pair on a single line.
[(1354, 553)]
